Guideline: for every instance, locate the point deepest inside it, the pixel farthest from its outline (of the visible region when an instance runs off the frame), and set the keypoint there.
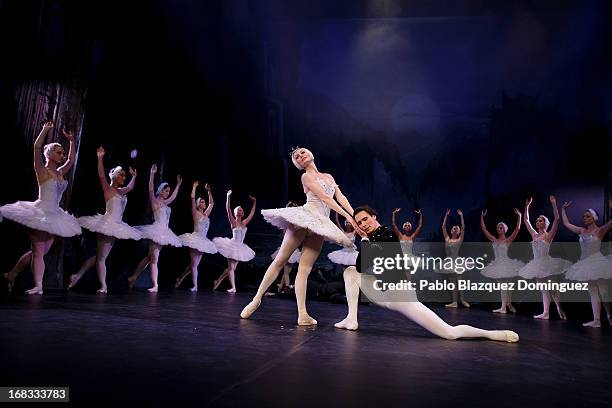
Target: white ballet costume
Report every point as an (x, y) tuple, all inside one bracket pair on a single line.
[(313, 216), (197, 239), (543, 265), (502, 267), (235, 248), (592, 265), (111, 223), (452, 251), (45, 213), (346, 256), (159, 232), (293, 259)]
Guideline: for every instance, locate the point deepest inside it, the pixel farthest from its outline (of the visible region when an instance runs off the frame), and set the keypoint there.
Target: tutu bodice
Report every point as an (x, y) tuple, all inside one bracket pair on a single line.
[(540, 248), (590, 244), (162, 215), (452, 249), (500, 250), (238, 234), (313, 201), (202, 226), (115, 207), (50, 193)]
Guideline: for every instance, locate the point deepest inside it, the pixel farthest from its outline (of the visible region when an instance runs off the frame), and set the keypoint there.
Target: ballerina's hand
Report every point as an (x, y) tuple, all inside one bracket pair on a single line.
[(517, 212), (529, 201), (447, 212), (459, 211), (567, 204), (553, 199), (484, 212), (397, 210), (179, 179), (100, 152), (229, 193), (207, 187), (418, 212), (48, 125), (154, 169), (253, 199), (68, 135), (133, 172), (195, 184), (358, 230)]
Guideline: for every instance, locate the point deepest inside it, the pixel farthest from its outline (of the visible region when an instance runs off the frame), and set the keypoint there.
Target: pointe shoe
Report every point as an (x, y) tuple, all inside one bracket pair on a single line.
[(153, 289), (73, 281), (501, 310), (34, 291), (194, 289), (178, 283), (347, 324), (511, 337), (543, 316), (216, 284), (232, 290), (562, 314), (594, 323), (465, 303), (306, 320), (131, 282), (250, 309), (453, 305), (103, 291), (511, 309)]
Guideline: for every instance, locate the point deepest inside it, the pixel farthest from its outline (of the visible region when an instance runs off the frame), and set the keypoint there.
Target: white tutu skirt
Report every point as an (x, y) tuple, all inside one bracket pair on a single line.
[(294, 258), (544, 267), (309, 218), (196, 241), (105, 225), (159, 234), (346, 256), (231, 249), (592, 268), (33, 215), (502, 268)]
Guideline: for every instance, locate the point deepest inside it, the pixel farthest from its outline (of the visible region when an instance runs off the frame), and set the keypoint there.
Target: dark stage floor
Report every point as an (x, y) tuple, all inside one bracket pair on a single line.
[(179, 346)]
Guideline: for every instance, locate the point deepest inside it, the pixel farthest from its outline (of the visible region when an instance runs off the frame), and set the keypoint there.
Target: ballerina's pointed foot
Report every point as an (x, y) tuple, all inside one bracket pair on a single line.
[(347, 324), (501, 310), (194, 289), (216, 284), (594, 323), (306, 320), (232, 290), (465, 303), (154, 289), (250, 309), (34, 291), (543, 316), (131, 282), (73, 281), (511, 309), (505, 335), (103, 290), (178, 282), (562, 315), (453, 304), (10, 279)]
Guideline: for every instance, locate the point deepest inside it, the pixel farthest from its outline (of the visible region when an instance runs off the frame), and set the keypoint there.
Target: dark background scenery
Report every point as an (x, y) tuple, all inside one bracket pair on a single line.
[(415, 104)]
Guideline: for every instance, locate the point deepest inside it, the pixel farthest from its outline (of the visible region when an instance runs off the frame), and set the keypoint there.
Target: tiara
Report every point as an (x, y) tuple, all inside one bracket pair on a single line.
[(293, 150)]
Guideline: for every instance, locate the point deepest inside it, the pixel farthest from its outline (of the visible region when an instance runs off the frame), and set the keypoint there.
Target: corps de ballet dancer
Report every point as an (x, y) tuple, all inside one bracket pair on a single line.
[(408, 306), (308, 225), (543, 267), (346, 256), (158, 233), (452, 245), (109, 226), (592, 267), (234, 249), (44, 218), (285, 281), (197, 241), (502, 267), (406, 236)]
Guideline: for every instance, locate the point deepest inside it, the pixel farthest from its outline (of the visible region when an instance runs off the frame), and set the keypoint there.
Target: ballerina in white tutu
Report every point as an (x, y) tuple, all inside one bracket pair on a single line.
[(308, 225), (592, 267), (285, 281), (197, 241), (158, 233), (502, 267), (234, 249), (346, 256), (109, 226), (543, 267), (44, 217), (406, 236), (452, 244)]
